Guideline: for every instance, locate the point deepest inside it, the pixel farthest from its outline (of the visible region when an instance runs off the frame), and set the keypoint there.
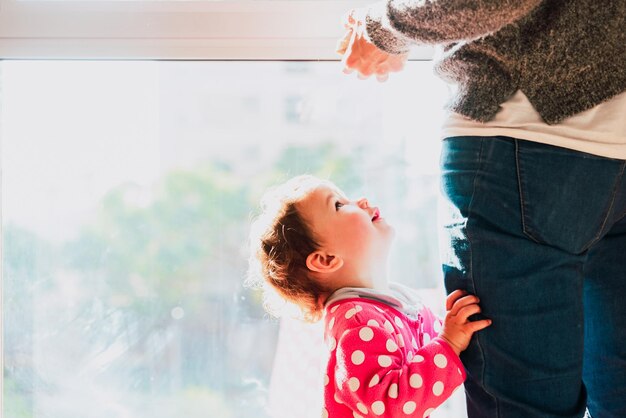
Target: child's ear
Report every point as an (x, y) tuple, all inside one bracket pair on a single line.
[(321, 262)]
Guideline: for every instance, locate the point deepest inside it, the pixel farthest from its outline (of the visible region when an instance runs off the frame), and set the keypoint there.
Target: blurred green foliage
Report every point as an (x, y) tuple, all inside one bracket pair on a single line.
[(160, 272)]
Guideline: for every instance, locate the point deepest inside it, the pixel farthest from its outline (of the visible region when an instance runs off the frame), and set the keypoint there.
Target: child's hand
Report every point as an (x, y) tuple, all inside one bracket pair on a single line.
[(457, 328)]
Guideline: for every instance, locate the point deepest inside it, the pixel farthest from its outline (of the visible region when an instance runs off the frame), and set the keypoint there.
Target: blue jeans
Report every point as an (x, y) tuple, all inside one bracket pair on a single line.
[(539, 234)]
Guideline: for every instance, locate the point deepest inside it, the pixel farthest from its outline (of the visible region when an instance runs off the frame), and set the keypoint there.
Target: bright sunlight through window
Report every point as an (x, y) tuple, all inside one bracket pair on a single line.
[(127, 190)]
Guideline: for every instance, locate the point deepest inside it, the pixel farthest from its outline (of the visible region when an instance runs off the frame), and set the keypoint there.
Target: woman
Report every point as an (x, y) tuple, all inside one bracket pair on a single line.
[(533, 161)]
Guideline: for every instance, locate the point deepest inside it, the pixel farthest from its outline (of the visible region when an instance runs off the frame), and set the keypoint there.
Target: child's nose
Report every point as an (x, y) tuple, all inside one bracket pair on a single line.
[(363, 203)]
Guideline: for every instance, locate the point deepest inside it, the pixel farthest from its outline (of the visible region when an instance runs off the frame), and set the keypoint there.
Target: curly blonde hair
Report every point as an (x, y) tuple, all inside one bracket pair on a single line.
[(280, 241)]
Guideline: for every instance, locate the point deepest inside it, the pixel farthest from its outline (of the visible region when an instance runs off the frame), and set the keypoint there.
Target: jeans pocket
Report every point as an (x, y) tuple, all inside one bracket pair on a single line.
[(566, 196)]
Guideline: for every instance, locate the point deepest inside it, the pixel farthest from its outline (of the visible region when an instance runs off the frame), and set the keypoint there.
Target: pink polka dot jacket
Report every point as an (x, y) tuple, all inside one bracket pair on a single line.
[(382, 363)]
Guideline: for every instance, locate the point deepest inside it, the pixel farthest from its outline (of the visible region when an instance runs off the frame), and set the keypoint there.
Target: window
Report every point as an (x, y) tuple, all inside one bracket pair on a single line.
[(170, 29), (126, 191), (127, 187)]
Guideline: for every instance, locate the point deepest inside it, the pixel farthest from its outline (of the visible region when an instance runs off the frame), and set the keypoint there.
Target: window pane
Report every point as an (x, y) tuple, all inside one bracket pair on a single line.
[(127, 188)]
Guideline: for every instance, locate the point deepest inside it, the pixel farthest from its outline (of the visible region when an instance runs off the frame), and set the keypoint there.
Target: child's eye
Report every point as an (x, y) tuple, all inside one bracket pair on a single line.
[(338, 204)]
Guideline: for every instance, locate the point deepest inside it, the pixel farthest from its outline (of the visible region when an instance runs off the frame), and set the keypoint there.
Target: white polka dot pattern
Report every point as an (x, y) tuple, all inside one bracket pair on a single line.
[(382, 364), (393, 391), (332, 343), (373, 323), (400, 340), (409, 407), (440, 361), (391, 346), (354, 384), (416, 381), (438, 388), (384, 361), (358, 357), (398, 322), (388, 326), (350, 313), (378, 408), (366, 334)]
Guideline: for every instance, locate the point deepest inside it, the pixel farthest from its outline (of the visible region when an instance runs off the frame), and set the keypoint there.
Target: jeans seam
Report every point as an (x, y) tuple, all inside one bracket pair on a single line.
[(608, 210), (623, 214), (471, 263), (521, 194)]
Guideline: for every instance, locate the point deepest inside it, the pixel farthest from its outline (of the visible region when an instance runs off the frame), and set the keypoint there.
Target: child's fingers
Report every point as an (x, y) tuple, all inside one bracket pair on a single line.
[(467, 311), (478, 325), (452, 297), (462, 302)]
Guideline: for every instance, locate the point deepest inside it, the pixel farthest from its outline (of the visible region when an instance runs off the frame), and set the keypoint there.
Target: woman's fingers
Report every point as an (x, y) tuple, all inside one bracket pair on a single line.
[(361, 55), (348, 19), (364, 57), (344, 43), (396, 62)]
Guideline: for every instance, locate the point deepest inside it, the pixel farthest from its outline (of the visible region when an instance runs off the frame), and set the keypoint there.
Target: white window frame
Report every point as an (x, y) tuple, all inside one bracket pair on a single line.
[(161, 29)]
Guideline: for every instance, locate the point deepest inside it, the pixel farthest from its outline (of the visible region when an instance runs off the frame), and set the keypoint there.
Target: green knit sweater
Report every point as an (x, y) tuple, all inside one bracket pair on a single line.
[(565, 55)]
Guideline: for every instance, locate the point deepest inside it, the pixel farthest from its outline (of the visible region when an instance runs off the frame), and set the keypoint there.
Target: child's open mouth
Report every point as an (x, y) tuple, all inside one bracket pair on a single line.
[(376, 215)]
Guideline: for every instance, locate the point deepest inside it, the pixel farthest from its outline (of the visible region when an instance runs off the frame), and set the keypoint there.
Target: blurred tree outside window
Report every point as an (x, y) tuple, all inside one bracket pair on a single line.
[(127, 192)]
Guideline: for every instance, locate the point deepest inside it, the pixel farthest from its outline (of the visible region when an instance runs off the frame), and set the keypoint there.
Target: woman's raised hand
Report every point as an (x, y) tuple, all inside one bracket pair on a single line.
[(362, 56)]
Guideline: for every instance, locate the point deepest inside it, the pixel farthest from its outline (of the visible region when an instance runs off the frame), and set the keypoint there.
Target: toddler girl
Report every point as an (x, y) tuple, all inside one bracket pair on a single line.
[(389, 356)]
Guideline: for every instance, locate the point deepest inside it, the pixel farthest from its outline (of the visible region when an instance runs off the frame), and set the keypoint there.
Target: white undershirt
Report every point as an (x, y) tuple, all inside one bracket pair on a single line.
[(600, 130)]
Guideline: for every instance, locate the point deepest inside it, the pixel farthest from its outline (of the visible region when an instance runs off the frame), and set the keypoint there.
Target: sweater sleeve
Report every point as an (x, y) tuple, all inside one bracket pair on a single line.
[(392, 25), (374, 375)]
